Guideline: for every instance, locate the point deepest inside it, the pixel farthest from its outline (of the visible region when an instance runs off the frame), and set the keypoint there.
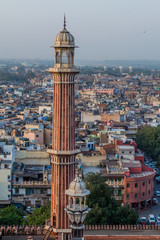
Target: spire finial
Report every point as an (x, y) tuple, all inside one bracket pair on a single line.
[(77, 172), (64, 21)]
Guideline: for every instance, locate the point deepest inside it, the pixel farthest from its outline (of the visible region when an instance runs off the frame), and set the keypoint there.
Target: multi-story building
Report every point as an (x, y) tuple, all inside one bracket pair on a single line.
[(131, 182), (7, 157), (35, 136), (31, 184)]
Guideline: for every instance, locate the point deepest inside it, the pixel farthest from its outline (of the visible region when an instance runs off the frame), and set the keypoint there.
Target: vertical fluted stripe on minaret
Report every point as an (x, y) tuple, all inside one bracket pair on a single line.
[(65, 114), (58, 193), (68, 115), (61, 126), (70, 130), (61, 191), (52, 189), (64, 190), (73, 114)]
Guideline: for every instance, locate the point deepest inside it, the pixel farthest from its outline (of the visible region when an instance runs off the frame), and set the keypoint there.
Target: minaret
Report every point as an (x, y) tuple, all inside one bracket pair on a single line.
[(63, 136)]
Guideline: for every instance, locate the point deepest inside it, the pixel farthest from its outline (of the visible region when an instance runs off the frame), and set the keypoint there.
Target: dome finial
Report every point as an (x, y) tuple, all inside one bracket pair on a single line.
[(64, 21), (77, 172)]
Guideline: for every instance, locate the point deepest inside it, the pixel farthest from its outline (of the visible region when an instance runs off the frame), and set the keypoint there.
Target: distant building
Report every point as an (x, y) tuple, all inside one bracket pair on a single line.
[(35, 136), (89, 117), (7, 158), (45, 109), (130, 69), (121, 69)]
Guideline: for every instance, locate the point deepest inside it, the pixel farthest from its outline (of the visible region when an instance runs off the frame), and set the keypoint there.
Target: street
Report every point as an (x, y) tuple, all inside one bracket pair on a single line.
[(155, 208)]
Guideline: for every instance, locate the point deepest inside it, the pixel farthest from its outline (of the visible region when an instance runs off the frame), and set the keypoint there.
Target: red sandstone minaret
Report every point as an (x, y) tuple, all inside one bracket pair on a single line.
[(63, 144)]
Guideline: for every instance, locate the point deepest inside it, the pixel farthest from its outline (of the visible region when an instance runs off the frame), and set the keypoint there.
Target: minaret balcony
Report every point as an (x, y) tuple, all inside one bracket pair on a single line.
[(59, 69), (55, 152)]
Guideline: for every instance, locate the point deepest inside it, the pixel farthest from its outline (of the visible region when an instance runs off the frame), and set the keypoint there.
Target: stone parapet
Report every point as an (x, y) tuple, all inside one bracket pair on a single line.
[(127, 229)]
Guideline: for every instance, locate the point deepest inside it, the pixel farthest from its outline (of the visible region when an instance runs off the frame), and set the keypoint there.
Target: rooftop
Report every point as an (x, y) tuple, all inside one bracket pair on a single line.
[(143, 174)]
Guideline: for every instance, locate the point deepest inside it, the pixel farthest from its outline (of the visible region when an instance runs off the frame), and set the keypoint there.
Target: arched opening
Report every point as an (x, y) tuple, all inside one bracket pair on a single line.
[(57, 57), (71, 202), (54, 221), (64, 57), (70, 60), (77, 201)]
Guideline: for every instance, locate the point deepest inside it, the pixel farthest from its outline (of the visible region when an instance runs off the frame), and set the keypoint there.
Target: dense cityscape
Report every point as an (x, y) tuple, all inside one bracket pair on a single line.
[(79, 138), (112, 107)]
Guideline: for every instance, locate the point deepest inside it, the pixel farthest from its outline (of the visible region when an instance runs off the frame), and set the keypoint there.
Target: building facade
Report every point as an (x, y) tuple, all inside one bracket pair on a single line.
[(31, 184), (130, 180), (7, 158)]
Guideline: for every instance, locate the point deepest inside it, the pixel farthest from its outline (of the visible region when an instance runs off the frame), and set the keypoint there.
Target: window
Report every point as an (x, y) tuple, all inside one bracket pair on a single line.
[(143, 184), (64, 57), (135, 195), (112, 191), (57, 57), (149, 191), (127, 196), (28, 191), (9, 177), (119, 192), (37, 135), (70, 57), (128, 185), (149, 181), (136, 185), (143, 194), (16, 190), (6, 166), (54, 221)]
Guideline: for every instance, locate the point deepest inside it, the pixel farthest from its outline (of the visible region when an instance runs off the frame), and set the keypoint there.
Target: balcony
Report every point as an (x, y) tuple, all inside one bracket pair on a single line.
[(31, 184), (111, 183), (54, 152), (118, 198)]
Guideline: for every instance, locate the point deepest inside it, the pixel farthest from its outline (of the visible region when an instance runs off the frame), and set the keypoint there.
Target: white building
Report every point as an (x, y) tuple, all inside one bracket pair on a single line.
[(7, 157), (126, 152), (47, 109)]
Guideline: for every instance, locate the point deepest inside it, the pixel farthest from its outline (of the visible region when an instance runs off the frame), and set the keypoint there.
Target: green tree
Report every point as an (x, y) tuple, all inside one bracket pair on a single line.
[(39, 215), (148, 140), (104, 208), (126, 215), (11, 216)]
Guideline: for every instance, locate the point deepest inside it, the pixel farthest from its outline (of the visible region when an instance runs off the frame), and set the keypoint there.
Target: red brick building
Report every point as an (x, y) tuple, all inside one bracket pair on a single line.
[(132, 182)]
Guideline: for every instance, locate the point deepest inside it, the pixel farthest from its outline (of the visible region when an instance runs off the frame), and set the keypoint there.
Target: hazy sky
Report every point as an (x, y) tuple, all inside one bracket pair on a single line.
[(103, 29)]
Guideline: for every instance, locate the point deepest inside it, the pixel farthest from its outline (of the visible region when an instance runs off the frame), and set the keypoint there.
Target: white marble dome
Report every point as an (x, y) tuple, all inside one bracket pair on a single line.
[(77, 188), (64, 38)]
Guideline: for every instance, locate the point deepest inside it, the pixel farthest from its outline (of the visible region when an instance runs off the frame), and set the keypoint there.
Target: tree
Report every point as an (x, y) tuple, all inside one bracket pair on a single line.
[(148, 140), (39, 215), (104, 208), (126, 215), (11, 216)]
